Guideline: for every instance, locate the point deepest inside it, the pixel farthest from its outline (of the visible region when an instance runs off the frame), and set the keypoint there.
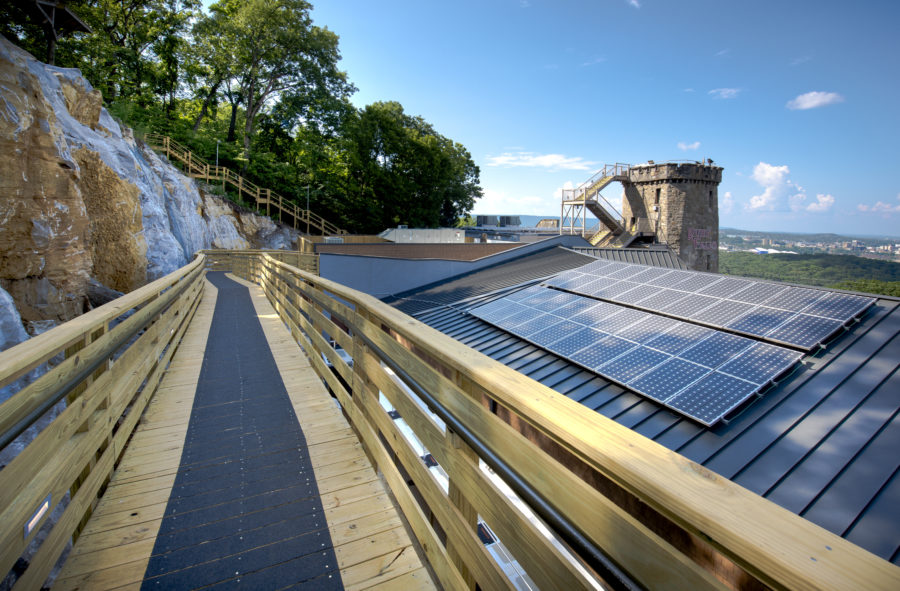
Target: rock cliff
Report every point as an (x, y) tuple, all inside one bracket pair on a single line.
[(81, 199)]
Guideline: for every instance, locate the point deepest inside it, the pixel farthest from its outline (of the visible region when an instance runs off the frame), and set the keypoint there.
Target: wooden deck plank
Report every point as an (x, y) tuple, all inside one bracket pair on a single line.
[(139, 502), (358, 548), (371, 542)]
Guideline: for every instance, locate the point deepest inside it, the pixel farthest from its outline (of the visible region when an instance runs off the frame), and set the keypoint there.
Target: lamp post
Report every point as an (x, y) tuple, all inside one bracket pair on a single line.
[(307, 210)]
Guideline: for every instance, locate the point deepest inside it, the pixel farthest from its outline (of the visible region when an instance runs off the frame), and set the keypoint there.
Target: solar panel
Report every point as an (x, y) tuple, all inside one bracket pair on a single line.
[(761, 363), (760, 321), (679, 337), (716, 349), (537, 324), (632, 364), (697, 371), (712, 398), (669, 378), (662, 298), (637, 293), (721, 313), (650, 327), (602, 351), (555, 332), (805, 330), (524, 293), (795, 298), (796, 316), (568, 346), (838, 306), (623, 319)]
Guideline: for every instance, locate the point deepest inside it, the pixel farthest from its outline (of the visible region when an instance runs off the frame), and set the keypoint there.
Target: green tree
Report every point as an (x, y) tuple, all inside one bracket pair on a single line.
[(400, 170), (279, 55)]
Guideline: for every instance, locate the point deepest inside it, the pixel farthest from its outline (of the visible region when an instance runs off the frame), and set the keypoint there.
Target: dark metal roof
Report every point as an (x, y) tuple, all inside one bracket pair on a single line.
[(526, 268), (448, 251), (822, 443), (655, 257)]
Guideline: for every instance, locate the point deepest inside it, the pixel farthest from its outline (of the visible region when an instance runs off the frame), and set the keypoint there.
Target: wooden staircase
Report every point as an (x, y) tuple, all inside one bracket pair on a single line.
[(265, 199)]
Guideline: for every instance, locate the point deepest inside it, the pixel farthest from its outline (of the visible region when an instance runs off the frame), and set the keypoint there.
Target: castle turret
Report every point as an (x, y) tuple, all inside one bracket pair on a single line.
[(679, 202)]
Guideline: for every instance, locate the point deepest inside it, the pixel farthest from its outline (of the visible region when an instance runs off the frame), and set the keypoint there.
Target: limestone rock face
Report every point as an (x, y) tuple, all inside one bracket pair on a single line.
[(44, 228), (117, 245), (81, 199)]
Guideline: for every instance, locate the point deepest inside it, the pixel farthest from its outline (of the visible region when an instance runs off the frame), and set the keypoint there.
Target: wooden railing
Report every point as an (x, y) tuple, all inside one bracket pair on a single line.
[(630, 511), (114, 357), (265, 199), (225, 260)]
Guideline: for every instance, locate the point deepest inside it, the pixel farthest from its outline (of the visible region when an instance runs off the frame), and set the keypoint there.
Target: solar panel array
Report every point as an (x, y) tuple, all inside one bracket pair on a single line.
[(795, 316), (697, 371)]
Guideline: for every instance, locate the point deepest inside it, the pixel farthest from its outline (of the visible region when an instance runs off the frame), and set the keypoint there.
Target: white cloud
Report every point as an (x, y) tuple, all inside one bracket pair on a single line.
[(880, 207), (797, 202), (688, 90), (823, 203), (724, 93), (532, 160), (776, 186), (800, 60), (812, 100), (723, 52), (780, 193), (726, 203), (684, 147), (634, 3)]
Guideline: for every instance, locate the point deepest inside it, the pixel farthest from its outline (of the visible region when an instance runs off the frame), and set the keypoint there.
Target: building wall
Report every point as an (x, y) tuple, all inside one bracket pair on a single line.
[(680, 203)]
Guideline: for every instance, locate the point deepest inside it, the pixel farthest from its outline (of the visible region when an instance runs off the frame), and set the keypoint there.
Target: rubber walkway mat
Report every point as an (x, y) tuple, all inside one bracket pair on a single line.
[(245, 509)]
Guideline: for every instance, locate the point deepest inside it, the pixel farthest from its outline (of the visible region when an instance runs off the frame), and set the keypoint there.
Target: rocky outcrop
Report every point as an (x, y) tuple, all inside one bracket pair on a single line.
[(118, 249), (82, 200)]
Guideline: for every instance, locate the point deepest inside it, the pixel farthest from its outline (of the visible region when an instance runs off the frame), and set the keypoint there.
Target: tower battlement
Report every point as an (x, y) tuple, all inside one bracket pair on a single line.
[(680, 203)]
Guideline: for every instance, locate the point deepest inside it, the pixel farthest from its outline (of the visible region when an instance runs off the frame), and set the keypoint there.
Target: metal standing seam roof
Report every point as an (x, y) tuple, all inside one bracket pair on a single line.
[(822, 443), (655, 257)]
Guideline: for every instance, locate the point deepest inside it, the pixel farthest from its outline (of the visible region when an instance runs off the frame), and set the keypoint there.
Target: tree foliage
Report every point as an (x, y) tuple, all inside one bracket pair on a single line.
[(812, 269), (888, 288), (256, 86), (401, 171)]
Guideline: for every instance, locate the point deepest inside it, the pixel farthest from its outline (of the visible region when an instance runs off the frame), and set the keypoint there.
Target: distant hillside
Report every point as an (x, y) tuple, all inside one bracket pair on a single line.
[(825, 270), (800, 237)]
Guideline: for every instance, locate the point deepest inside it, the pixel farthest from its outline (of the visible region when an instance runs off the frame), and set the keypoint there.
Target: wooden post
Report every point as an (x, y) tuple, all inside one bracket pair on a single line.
[(460, 502), (268, 200)]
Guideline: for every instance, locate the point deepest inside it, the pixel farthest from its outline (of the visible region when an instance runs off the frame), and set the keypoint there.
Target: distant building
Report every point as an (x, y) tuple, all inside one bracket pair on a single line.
[(404, 235), (502, 221)]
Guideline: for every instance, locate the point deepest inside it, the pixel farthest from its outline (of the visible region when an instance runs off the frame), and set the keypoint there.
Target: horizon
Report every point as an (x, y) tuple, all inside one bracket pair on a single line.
[(795, 100), (721, 227)]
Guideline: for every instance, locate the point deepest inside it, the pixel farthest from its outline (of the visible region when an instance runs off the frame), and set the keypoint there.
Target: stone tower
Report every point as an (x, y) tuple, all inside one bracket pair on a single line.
[(679, 203)]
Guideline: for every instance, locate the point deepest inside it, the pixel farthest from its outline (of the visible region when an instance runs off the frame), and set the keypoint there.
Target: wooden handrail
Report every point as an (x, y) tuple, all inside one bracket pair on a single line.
[(115, 356), (198, 168), (632, 499)]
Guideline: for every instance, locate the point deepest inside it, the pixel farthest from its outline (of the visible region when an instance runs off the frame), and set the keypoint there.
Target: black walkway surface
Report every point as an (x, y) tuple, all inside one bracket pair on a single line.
[(244, 510)]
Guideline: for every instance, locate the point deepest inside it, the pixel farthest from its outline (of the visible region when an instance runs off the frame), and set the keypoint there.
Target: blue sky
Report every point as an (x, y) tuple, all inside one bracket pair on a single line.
[(797, 100)]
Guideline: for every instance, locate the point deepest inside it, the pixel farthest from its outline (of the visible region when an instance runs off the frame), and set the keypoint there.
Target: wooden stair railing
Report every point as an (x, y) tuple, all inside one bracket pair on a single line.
[(264, 199)]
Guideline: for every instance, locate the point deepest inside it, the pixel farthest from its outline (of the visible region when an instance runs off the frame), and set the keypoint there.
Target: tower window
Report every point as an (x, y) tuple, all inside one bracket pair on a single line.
[(710, 199), (658, 191)]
